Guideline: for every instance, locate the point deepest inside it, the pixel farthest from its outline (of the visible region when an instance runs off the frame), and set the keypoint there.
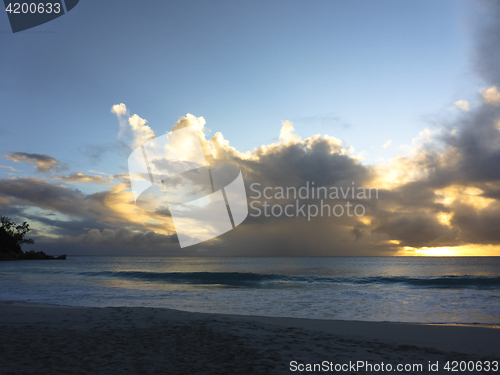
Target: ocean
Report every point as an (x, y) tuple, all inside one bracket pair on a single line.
[(450, 290)]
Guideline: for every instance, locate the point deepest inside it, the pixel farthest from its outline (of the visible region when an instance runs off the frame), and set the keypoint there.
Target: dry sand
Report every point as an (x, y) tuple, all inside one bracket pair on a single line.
[(45, 339)]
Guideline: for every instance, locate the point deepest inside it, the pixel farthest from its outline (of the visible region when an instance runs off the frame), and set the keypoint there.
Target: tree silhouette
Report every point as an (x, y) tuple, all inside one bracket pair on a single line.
[(12, 236)]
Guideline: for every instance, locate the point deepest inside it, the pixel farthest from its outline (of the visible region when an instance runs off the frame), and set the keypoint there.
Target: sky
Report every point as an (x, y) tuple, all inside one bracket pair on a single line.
[(397, 96)]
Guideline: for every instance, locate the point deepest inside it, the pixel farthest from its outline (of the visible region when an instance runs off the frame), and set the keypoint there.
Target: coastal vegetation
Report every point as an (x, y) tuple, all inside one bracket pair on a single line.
[(12, 236)]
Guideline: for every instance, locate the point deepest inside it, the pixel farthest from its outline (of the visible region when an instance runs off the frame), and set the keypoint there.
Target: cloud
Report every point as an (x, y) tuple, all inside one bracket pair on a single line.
[(491, 95), (387, 144), (286, 133), (421, 194), (446, 191), (425, 198), (141, 132), (462, 104), (38, 193), (119, 109), (190, 120), (10, 168), (134, 131), (123, 237), (443, 192), (78, 177), (97, 172), (290, 162), (121, 112), (43, 163), (113, 208)]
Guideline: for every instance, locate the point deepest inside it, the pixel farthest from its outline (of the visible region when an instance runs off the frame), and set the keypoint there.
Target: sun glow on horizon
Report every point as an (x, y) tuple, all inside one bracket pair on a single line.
[(450, 251)]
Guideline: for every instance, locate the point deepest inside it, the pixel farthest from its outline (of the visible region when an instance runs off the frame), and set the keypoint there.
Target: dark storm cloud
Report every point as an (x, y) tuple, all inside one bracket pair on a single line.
[(478, 146), (322, 161), (124, 237), (318, 160), (415, 230), (478, 226), (40, 193)]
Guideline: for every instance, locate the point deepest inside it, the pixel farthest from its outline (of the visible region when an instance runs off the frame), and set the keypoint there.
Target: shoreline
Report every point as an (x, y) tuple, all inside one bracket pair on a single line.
[(104, 339), (478, 325)]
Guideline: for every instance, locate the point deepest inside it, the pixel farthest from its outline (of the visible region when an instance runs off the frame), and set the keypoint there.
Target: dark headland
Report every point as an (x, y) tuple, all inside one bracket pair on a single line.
[(12, 236)]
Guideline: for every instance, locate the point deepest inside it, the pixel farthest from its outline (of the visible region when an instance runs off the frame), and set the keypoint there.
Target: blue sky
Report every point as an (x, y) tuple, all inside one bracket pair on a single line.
[(364, 72)]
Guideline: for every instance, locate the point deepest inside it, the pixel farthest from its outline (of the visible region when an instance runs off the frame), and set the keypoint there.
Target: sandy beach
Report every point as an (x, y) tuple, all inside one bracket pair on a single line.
[(47, 339)]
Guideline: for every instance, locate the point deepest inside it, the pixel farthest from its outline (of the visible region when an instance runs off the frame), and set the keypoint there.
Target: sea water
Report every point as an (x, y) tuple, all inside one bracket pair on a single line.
[(460, 290)]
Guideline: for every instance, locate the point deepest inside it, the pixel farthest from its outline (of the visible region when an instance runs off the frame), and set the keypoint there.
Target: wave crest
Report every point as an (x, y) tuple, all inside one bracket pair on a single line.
[(257, 280)]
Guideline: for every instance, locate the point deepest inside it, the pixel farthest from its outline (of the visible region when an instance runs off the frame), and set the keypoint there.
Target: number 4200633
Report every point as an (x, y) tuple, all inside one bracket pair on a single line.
[(19, 8)]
